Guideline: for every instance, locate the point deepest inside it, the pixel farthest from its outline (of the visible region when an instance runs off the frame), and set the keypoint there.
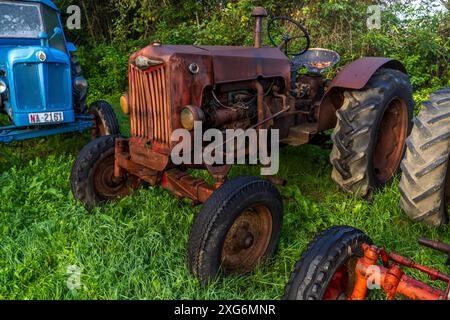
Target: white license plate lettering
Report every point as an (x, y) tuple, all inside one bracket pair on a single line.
[(47, 117)]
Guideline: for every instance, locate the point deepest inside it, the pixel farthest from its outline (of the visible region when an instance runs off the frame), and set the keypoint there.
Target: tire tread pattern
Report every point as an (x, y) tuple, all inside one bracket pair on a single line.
[(425, 166), (324, 255)]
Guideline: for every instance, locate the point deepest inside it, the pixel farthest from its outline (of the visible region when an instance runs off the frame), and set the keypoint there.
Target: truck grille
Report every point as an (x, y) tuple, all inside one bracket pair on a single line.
[(149, 104), (29, 86)]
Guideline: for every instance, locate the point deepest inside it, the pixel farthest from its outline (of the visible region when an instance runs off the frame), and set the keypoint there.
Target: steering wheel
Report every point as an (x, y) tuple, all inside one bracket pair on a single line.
[(283, 30)]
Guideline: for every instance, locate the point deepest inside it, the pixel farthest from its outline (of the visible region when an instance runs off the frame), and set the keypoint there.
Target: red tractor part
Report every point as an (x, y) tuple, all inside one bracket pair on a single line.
[(342, 264), (392, 278)]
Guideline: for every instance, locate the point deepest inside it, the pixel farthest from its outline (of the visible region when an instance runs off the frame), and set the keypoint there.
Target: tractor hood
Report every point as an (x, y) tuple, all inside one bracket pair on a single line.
[(227, 64), (173, 77)]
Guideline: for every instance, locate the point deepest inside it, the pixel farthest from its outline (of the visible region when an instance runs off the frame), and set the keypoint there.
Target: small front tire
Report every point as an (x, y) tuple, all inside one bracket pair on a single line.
[(326, 270), (238, 227), (92, 178)]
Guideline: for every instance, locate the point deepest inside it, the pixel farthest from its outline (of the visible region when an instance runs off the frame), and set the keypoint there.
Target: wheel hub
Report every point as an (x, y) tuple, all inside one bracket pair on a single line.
[(106, 185), (391, 140), (247, 240)]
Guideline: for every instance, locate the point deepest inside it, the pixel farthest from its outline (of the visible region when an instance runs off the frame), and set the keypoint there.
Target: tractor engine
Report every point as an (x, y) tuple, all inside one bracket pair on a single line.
[(171, 87), (234, 106)]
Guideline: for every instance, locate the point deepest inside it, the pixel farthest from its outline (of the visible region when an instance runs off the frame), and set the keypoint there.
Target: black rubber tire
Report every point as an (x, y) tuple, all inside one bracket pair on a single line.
[(323, 258), (425, 168), (218, 215), (356, 134), (107, 124), (79, 96), (85, 165)]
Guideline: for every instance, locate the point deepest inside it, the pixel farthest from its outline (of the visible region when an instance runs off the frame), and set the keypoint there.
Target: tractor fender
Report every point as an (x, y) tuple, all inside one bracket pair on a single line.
[(354, 76)]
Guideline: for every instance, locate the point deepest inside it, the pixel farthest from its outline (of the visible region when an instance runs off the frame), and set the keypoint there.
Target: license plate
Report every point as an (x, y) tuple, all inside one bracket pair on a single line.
[(47, 117)]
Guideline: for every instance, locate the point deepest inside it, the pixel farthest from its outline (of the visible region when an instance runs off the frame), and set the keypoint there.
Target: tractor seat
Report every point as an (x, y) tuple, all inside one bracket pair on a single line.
[(316, 60)]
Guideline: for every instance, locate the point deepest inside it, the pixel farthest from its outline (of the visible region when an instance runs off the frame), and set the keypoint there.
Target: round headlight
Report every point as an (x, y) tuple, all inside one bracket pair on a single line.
[(190, 115), (3, 86), (124, 104)]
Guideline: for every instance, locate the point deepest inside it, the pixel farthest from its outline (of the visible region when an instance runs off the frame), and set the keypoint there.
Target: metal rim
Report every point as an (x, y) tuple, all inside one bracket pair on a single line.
[(247, 240), (342, 282), (106, 186), (390, 145)]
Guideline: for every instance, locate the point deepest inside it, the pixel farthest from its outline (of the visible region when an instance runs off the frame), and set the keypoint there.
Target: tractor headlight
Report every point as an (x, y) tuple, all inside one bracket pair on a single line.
[(190, 115), (143, 62), (124, 104), (3, 87)]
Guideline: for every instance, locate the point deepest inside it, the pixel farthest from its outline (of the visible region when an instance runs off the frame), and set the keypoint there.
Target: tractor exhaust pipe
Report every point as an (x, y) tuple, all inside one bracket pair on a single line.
[(259, 13)]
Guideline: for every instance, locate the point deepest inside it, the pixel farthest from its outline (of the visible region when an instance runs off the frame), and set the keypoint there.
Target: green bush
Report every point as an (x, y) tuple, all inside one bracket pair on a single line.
[(413, 34)]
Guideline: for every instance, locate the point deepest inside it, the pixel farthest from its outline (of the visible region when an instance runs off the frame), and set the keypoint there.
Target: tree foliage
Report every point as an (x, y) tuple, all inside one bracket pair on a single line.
[(415, 32)]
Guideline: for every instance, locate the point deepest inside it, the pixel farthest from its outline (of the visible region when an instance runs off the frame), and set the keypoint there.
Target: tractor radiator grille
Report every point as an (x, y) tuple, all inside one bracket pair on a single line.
[(149, 104)]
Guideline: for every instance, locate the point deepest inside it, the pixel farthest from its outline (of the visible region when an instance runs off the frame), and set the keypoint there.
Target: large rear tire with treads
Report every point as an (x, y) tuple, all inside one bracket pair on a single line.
[(425, 183), (369, 139)]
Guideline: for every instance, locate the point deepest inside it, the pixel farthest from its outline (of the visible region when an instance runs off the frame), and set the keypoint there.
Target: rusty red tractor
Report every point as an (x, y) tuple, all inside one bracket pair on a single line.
[(369, 105), (343, 264)]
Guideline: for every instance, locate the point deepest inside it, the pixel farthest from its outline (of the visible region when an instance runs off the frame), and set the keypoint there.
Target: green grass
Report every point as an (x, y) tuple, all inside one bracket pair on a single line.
[(135, 249)]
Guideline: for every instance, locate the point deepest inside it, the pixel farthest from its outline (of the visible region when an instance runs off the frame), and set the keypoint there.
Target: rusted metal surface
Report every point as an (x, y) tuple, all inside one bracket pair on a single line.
[(182, 87), (184, 185), (393, 280), (259, 13), (358, 73), (234, 64), (392, 135), (124, 164), (438, 246), (260, 103), (107, 186), (219, 173), (150, 116), (148, 155), (247, 240)]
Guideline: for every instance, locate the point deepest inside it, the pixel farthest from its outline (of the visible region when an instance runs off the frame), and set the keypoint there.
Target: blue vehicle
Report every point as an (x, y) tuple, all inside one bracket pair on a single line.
[(42, 89)]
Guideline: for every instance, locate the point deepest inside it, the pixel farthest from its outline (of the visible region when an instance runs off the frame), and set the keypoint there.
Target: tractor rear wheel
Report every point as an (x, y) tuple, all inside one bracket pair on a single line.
[(106, 123), (326, 270), (425, 183), (369, 139), (238, 227), (92, 178)]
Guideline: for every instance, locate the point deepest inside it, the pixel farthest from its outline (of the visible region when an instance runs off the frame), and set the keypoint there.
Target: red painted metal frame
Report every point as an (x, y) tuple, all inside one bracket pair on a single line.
[(392, 278)]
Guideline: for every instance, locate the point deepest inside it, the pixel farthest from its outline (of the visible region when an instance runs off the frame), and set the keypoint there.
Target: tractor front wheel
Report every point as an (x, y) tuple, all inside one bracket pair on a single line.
[(369, 139), (327, 268), (238, 227), (105, 119), (92, 178), (425, 183)]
